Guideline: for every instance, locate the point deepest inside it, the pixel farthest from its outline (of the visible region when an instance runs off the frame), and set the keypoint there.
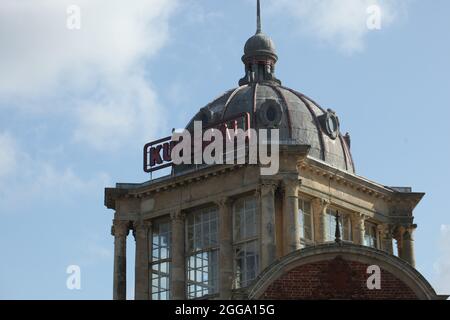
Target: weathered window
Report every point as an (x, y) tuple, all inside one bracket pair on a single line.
[(160, 260), (345, 226), (305, 219), (202, 248), (370, 237), (246, 252)]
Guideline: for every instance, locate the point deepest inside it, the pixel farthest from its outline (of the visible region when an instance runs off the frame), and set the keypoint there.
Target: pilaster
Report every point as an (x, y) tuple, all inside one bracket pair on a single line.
[(268, 238), (291, 224), (142, 282), (120, 230), (178, 272), (226, 248), (359, 228), (319, 207)]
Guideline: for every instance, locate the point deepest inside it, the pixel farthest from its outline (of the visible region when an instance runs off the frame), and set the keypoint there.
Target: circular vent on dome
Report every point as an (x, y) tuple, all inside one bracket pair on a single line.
[(270, 113)]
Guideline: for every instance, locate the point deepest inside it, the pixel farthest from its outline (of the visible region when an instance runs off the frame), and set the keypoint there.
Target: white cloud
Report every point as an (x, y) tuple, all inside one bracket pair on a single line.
[(93, 251), (8, 155), (26, 180), (127, 112), (100, 67), (38, 50), (442, 265), (342, 23)]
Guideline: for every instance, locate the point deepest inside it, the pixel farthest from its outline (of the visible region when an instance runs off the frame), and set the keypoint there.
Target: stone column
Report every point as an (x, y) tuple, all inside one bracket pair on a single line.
[(120, 231), (398, 235), (267, 205), (226, 248), (319, 207), (408, 245), (359, 228), (291, 226), (178, 270), (142, 282), (386, 238)]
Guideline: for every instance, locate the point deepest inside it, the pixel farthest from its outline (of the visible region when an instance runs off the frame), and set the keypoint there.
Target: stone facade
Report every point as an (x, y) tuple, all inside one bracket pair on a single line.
[(226, 231), (278, 235)]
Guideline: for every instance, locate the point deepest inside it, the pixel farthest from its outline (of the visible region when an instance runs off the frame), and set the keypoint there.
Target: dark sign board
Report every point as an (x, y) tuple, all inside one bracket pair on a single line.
[(158, 154)]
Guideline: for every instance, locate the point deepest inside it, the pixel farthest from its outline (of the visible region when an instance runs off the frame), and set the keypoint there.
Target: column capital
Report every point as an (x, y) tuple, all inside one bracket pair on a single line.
[(268, 186), (404, 232), (273, 183), (290, 186), (320, 203), (142, 224), (120, 228), (223, 202), (358, 217), (408, 233), (385, 229), (141, 227), (290, 181), (177, 215)]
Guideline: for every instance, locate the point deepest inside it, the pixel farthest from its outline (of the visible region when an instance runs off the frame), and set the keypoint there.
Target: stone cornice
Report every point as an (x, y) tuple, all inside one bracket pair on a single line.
[(164, 184), (360, 184)]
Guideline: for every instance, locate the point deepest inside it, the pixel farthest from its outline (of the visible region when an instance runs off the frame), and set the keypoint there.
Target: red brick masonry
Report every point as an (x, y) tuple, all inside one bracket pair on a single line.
[(335, 279)]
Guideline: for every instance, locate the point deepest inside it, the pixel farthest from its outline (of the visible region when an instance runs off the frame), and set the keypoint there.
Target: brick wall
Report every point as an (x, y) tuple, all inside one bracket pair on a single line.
[(335, 279)]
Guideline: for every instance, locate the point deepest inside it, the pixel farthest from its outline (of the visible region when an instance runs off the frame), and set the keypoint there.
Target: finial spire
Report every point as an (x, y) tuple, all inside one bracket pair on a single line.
[(259, 56), (258, 14), (338, 229)]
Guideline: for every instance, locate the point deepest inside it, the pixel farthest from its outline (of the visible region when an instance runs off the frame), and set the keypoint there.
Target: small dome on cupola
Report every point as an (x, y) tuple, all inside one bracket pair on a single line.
[(259, 56), (259, 45)]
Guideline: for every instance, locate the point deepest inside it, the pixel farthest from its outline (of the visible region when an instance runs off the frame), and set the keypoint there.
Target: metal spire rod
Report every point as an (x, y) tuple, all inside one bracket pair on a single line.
[(338, 229), (258, 25)]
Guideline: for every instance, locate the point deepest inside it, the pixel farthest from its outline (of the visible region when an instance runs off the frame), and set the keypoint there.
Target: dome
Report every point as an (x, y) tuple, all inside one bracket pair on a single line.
[(299, 119), (270, 105), (259, 45)]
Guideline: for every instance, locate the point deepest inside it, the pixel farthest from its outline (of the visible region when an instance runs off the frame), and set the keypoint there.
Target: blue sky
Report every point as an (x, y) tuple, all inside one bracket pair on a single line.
[(77, 106)]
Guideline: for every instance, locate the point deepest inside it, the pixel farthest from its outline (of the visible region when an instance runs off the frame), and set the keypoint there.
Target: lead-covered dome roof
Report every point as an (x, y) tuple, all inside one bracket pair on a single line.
[(271, 105), (299, 119)]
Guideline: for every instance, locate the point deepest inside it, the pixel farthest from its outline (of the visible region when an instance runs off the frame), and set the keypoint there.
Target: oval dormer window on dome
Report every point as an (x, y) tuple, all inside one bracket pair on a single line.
[(270, 114), (330, 124)]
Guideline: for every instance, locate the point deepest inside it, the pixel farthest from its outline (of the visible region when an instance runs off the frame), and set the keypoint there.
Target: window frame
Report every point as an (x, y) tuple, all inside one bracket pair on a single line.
[(303, 240), (241, 242), (212, 248), (160, 261), (344, 216), (369, 225)]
